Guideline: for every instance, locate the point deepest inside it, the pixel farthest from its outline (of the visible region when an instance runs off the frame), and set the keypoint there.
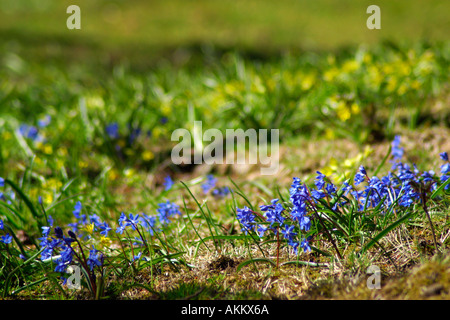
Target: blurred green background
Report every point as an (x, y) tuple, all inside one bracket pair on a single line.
[(145, 29)]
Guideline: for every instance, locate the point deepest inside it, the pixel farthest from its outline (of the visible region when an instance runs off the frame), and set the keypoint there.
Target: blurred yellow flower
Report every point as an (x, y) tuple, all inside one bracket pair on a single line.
[(88, 228), (105, 241), (343, 112), (355, 108), (307, 81), (350, 66), (113, 174), (130, 172), (6, 136), (331, 74), (147, 155)]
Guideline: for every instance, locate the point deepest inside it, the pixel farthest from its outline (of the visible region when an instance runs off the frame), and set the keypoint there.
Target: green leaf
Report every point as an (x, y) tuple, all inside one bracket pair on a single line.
[(441, 187), (385, 231), (305, 263), (382, 162), (253, 261), (27, 201)]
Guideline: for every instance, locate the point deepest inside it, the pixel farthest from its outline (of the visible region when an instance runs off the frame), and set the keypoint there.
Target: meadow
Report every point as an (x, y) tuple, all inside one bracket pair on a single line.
[(88, 189)]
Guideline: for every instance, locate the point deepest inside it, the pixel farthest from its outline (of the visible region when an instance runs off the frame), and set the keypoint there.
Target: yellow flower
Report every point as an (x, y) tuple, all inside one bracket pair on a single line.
[(6, 136), (47, 198), (147, 155), (95, 102), (404, 69), (308, 81), (402, 89), (48, 149), (415, 84), (331, 74), (343, 112), (82, 164), (52, 184), (105, 241), (166, 108), (113, 174), (129, 172), (392, 84), (350, 66), (257, 85), (89, 228), (156, 132), (367, 58), (329, 134), (355, 108)]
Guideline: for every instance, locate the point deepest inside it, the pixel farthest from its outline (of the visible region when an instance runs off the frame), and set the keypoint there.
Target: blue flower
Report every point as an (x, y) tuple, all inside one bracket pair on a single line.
[(65, 259), (168, 183), (443, 179), (6, 238), (148, 223), (134, 134), (29, 132), (305, 223), (305, 245), (444, 156), (246, 218), (261, 230), (221, 192), (330, 188), (396, 151), (2, 182), (77, 210), (112, 130), (105, 229), (137, 256), (288, 232), (209, 184), (318, 194), (273, 212), (44, 121), (166, 211), (134, 221), (445, 168), (360, 176), (2, 226), (95, 258), (320, 182)]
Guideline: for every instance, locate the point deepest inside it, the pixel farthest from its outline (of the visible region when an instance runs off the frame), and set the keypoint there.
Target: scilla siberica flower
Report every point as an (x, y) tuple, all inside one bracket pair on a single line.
[(168, 183), (360, 176), (167, 210), (112, 130), (273, 212), (209, 184), (6, 239), (95, 258), (246, 218)]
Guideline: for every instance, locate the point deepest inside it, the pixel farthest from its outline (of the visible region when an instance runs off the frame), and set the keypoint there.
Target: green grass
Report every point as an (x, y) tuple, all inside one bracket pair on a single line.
[(256, 25)]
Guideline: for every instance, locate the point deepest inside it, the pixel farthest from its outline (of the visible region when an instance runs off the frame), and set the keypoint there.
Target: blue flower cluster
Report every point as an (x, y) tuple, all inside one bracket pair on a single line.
[(166, 210), (279, 220), (210, 184), (405, 187), (32, 132)]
